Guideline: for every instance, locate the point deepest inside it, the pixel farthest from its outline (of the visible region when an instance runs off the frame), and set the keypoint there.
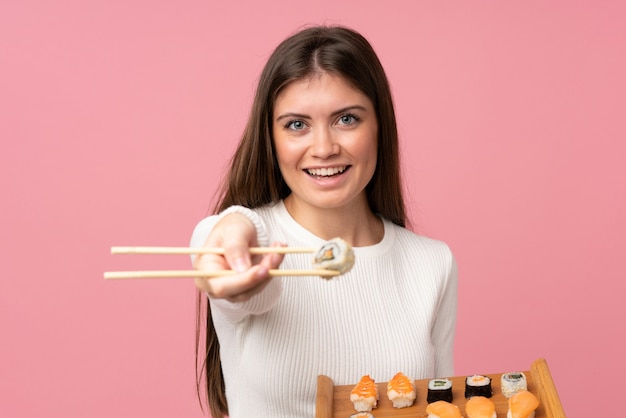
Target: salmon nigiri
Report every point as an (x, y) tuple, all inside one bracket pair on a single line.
[(443, 409), (480, 407), (401, 391), (522, 405), (365, 394)]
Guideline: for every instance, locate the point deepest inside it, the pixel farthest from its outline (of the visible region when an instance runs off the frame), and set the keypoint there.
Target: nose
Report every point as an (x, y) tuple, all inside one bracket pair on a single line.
[(324, 144)]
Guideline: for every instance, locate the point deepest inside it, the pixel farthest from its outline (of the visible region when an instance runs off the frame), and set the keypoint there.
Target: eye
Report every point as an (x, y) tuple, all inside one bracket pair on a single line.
[(348, 119), (296, 125)]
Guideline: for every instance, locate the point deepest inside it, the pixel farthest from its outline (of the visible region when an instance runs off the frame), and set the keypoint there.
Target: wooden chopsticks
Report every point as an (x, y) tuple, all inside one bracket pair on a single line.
[(189, 250), (181, 274), (171, 274)]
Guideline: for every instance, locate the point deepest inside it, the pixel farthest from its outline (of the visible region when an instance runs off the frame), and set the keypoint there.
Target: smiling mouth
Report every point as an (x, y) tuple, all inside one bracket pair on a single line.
[(326, 172)]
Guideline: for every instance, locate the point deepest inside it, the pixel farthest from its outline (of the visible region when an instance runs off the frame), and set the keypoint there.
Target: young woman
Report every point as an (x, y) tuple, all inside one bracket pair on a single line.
[(318, 159)]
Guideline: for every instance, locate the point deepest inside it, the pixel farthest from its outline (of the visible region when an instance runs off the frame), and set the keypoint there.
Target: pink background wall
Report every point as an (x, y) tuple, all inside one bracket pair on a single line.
[(116, 119)]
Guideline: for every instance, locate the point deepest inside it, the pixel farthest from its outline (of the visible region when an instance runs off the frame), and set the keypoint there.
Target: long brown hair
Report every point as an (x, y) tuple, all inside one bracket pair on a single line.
[(254, 178)]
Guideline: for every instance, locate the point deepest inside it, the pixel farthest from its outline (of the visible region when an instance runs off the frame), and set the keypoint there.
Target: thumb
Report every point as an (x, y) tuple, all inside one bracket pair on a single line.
[(238, 258)]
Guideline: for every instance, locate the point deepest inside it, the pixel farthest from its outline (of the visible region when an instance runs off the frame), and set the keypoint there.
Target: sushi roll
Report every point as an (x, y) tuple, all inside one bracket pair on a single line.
[(522, 405), (478, 385), (480, 407), (443, 409), (362, 415), (511, 383), (401, 391), (336, 254), (439, 390), (364, 396)]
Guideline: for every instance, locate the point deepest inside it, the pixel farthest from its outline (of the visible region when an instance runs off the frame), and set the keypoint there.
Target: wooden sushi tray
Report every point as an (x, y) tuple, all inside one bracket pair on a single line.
[(334, 401)]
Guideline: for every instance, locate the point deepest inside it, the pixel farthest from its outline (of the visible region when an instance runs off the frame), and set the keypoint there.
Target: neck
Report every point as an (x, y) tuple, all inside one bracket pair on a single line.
[(356, 223)]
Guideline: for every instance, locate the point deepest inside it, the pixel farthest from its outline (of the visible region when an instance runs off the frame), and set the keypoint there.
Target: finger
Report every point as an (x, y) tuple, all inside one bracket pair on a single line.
[(236, 287), (210, 262), (273, 260), (238, 258), (269, 261)]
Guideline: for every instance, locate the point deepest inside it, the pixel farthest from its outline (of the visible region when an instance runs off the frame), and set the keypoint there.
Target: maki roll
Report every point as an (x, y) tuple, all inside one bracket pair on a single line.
[(364, 396), (335, 254), (511, 383), (478, 385), (439, 390), (443, 409), (401, 391)]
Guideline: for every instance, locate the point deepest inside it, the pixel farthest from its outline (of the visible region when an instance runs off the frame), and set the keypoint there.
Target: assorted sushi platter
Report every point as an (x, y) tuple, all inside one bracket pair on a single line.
[(458, 396)]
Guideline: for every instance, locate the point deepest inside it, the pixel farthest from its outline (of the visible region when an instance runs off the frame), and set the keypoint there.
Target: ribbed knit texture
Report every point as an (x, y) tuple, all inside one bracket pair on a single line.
[(394, 311)]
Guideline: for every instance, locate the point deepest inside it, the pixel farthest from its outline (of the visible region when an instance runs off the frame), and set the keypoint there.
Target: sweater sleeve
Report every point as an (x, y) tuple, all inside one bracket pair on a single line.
[(263, 301), (205, 226), (445, 323)]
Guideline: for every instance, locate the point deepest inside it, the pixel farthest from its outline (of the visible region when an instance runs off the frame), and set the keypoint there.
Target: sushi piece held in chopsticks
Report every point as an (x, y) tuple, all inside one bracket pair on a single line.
[(480, 407), (364, 395), (401, 391), (522, 405), (335, 254), (443, 409), (511, 383), (439, 390), (478, 385)]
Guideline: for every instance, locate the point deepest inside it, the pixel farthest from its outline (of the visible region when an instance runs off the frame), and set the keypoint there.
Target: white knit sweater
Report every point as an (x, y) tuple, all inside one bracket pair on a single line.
[(394, 311)]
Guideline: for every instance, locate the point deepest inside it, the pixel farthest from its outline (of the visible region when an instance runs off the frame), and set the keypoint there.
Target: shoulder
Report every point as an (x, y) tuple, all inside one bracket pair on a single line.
[(411, 247), (409, 238), (268, 210)]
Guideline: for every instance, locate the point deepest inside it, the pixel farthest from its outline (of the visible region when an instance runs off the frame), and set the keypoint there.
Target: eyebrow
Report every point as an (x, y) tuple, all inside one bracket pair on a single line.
[(335, 113)]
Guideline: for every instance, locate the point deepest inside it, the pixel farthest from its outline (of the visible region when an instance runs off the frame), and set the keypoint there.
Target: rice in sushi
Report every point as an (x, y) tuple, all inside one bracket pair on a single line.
[(439, 390), (522, 405), (480, 407), (401, 391), (478, 385), (511, 383), (443, 409), (364, 396), (335, 254)]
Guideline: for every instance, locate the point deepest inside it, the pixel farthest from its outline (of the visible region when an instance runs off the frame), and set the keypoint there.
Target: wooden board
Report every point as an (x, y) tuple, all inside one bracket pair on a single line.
[(334, 401)]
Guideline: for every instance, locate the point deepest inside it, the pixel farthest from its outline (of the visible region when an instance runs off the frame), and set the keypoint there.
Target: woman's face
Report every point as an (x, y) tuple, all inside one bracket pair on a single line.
[(325, 135)]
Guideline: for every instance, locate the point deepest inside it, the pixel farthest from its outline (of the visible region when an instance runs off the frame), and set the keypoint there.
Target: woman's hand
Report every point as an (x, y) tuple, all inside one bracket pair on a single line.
[(236, 234)]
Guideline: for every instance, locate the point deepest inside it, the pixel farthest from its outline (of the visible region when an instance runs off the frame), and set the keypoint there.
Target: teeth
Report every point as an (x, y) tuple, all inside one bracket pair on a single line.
[(325, 172)]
